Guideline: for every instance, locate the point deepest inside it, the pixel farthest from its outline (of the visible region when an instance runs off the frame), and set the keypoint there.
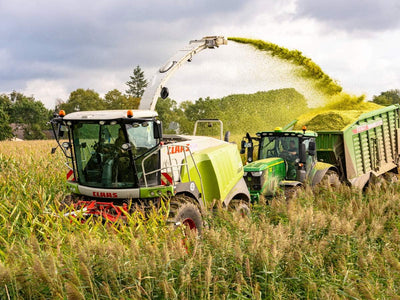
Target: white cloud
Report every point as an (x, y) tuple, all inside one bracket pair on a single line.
[(47, 91)]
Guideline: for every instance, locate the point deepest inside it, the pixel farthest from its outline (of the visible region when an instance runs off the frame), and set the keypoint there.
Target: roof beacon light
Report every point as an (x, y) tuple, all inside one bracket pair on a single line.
[(61, 113), (278, 129), (304, 129), (129, 114)]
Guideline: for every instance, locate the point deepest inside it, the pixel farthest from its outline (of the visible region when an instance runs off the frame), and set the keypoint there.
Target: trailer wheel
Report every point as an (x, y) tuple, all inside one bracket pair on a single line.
[(331, 179), (184, 212), (239, 206)]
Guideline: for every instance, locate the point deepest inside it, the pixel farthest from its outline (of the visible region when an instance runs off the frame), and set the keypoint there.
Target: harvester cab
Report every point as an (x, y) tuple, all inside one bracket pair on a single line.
[(120, 160), (284, 159)]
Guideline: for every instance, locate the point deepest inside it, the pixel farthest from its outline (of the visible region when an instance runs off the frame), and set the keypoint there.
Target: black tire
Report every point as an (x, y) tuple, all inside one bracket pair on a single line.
[(184, 212), (331, 179), (291, 192), (239, 206)]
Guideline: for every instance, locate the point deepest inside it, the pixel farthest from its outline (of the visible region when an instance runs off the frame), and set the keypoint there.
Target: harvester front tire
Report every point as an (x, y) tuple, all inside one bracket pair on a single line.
[(184, 213)]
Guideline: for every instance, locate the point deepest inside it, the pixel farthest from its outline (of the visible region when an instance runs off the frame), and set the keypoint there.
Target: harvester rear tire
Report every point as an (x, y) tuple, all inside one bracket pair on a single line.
[(184, 212), (239, 206)]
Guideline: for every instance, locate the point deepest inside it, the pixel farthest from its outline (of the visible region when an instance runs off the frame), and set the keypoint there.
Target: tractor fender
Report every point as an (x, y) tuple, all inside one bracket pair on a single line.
[(190, 189), (291, 183), (239, 191), (319, 172)]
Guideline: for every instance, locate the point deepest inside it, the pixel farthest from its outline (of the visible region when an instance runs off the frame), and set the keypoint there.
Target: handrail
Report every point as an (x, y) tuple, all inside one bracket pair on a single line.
[(171, 166)]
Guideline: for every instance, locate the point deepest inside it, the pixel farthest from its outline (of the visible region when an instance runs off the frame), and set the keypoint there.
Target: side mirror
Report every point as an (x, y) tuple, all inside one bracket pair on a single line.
[(303, 154), (157, 129), (164, 92), (53, 150), (227, 136), (311, 148), (60, 131), (250, 149), (242, 147)]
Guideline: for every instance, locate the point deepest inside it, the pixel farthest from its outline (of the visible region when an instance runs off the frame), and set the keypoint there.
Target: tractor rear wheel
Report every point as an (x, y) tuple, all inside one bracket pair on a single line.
[(184, 212)]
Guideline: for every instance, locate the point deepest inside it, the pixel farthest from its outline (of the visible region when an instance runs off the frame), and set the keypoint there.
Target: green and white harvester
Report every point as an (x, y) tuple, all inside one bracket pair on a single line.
[(120, 160)]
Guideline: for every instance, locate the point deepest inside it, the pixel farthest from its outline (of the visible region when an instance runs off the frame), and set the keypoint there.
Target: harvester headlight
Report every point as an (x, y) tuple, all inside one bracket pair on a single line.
[(256, 174), (102, 122), (245, 174)]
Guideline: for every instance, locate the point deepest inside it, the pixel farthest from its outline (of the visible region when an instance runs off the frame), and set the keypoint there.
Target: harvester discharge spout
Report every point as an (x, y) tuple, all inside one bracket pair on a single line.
[(157, 87)]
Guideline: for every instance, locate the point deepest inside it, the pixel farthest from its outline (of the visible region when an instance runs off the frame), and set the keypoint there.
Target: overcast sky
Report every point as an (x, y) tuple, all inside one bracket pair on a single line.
[(50, 48)]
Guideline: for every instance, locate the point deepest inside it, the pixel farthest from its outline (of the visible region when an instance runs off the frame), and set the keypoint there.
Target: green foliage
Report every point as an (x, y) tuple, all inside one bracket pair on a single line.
[(331, 244), (5, 129), (310, 69), (171, 115), (388, 98), (240, 113), (137, 84), (27, 113), (82, 100), (116, 100)]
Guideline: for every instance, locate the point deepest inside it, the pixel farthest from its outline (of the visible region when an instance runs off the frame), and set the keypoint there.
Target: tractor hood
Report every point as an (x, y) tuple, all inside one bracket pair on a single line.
[(263, 164)]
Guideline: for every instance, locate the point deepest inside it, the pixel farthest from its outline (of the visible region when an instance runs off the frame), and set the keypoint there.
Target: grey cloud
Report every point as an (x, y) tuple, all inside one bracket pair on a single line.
[(47, 39), (353, 15)]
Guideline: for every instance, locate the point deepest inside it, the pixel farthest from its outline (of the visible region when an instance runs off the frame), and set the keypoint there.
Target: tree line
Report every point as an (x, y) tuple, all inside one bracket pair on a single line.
[(240, 113)]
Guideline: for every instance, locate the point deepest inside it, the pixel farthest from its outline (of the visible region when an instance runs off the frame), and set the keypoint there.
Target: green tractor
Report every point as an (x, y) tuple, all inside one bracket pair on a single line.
[(285, 160)]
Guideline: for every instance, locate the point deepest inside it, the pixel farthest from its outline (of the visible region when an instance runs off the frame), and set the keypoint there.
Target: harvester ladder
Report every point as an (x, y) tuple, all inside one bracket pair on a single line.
[(170, 168)]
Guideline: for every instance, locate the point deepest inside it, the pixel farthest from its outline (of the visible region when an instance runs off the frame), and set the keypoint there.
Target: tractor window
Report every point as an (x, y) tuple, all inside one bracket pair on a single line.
[(99, 158), (141, 138), (284, 147)]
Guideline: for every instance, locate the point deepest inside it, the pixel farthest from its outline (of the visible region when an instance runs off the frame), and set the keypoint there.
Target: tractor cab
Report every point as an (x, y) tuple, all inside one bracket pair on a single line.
[(284, 158), (108, 148)]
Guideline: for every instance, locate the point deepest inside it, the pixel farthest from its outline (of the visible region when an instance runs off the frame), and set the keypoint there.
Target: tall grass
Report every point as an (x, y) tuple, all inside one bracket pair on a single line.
[(332, 244)]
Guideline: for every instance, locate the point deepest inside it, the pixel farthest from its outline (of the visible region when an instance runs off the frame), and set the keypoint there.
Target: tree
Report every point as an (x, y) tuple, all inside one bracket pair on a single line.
[(388, 98), (5, 129), (29, 114), (137, 84), (114, 99), (81, 100)]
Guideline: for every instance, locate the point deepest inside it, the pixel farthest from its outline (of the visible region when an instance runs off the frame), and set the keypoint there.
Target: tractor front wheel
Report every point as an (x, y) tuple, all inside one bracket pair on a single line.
[(184, 212)]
